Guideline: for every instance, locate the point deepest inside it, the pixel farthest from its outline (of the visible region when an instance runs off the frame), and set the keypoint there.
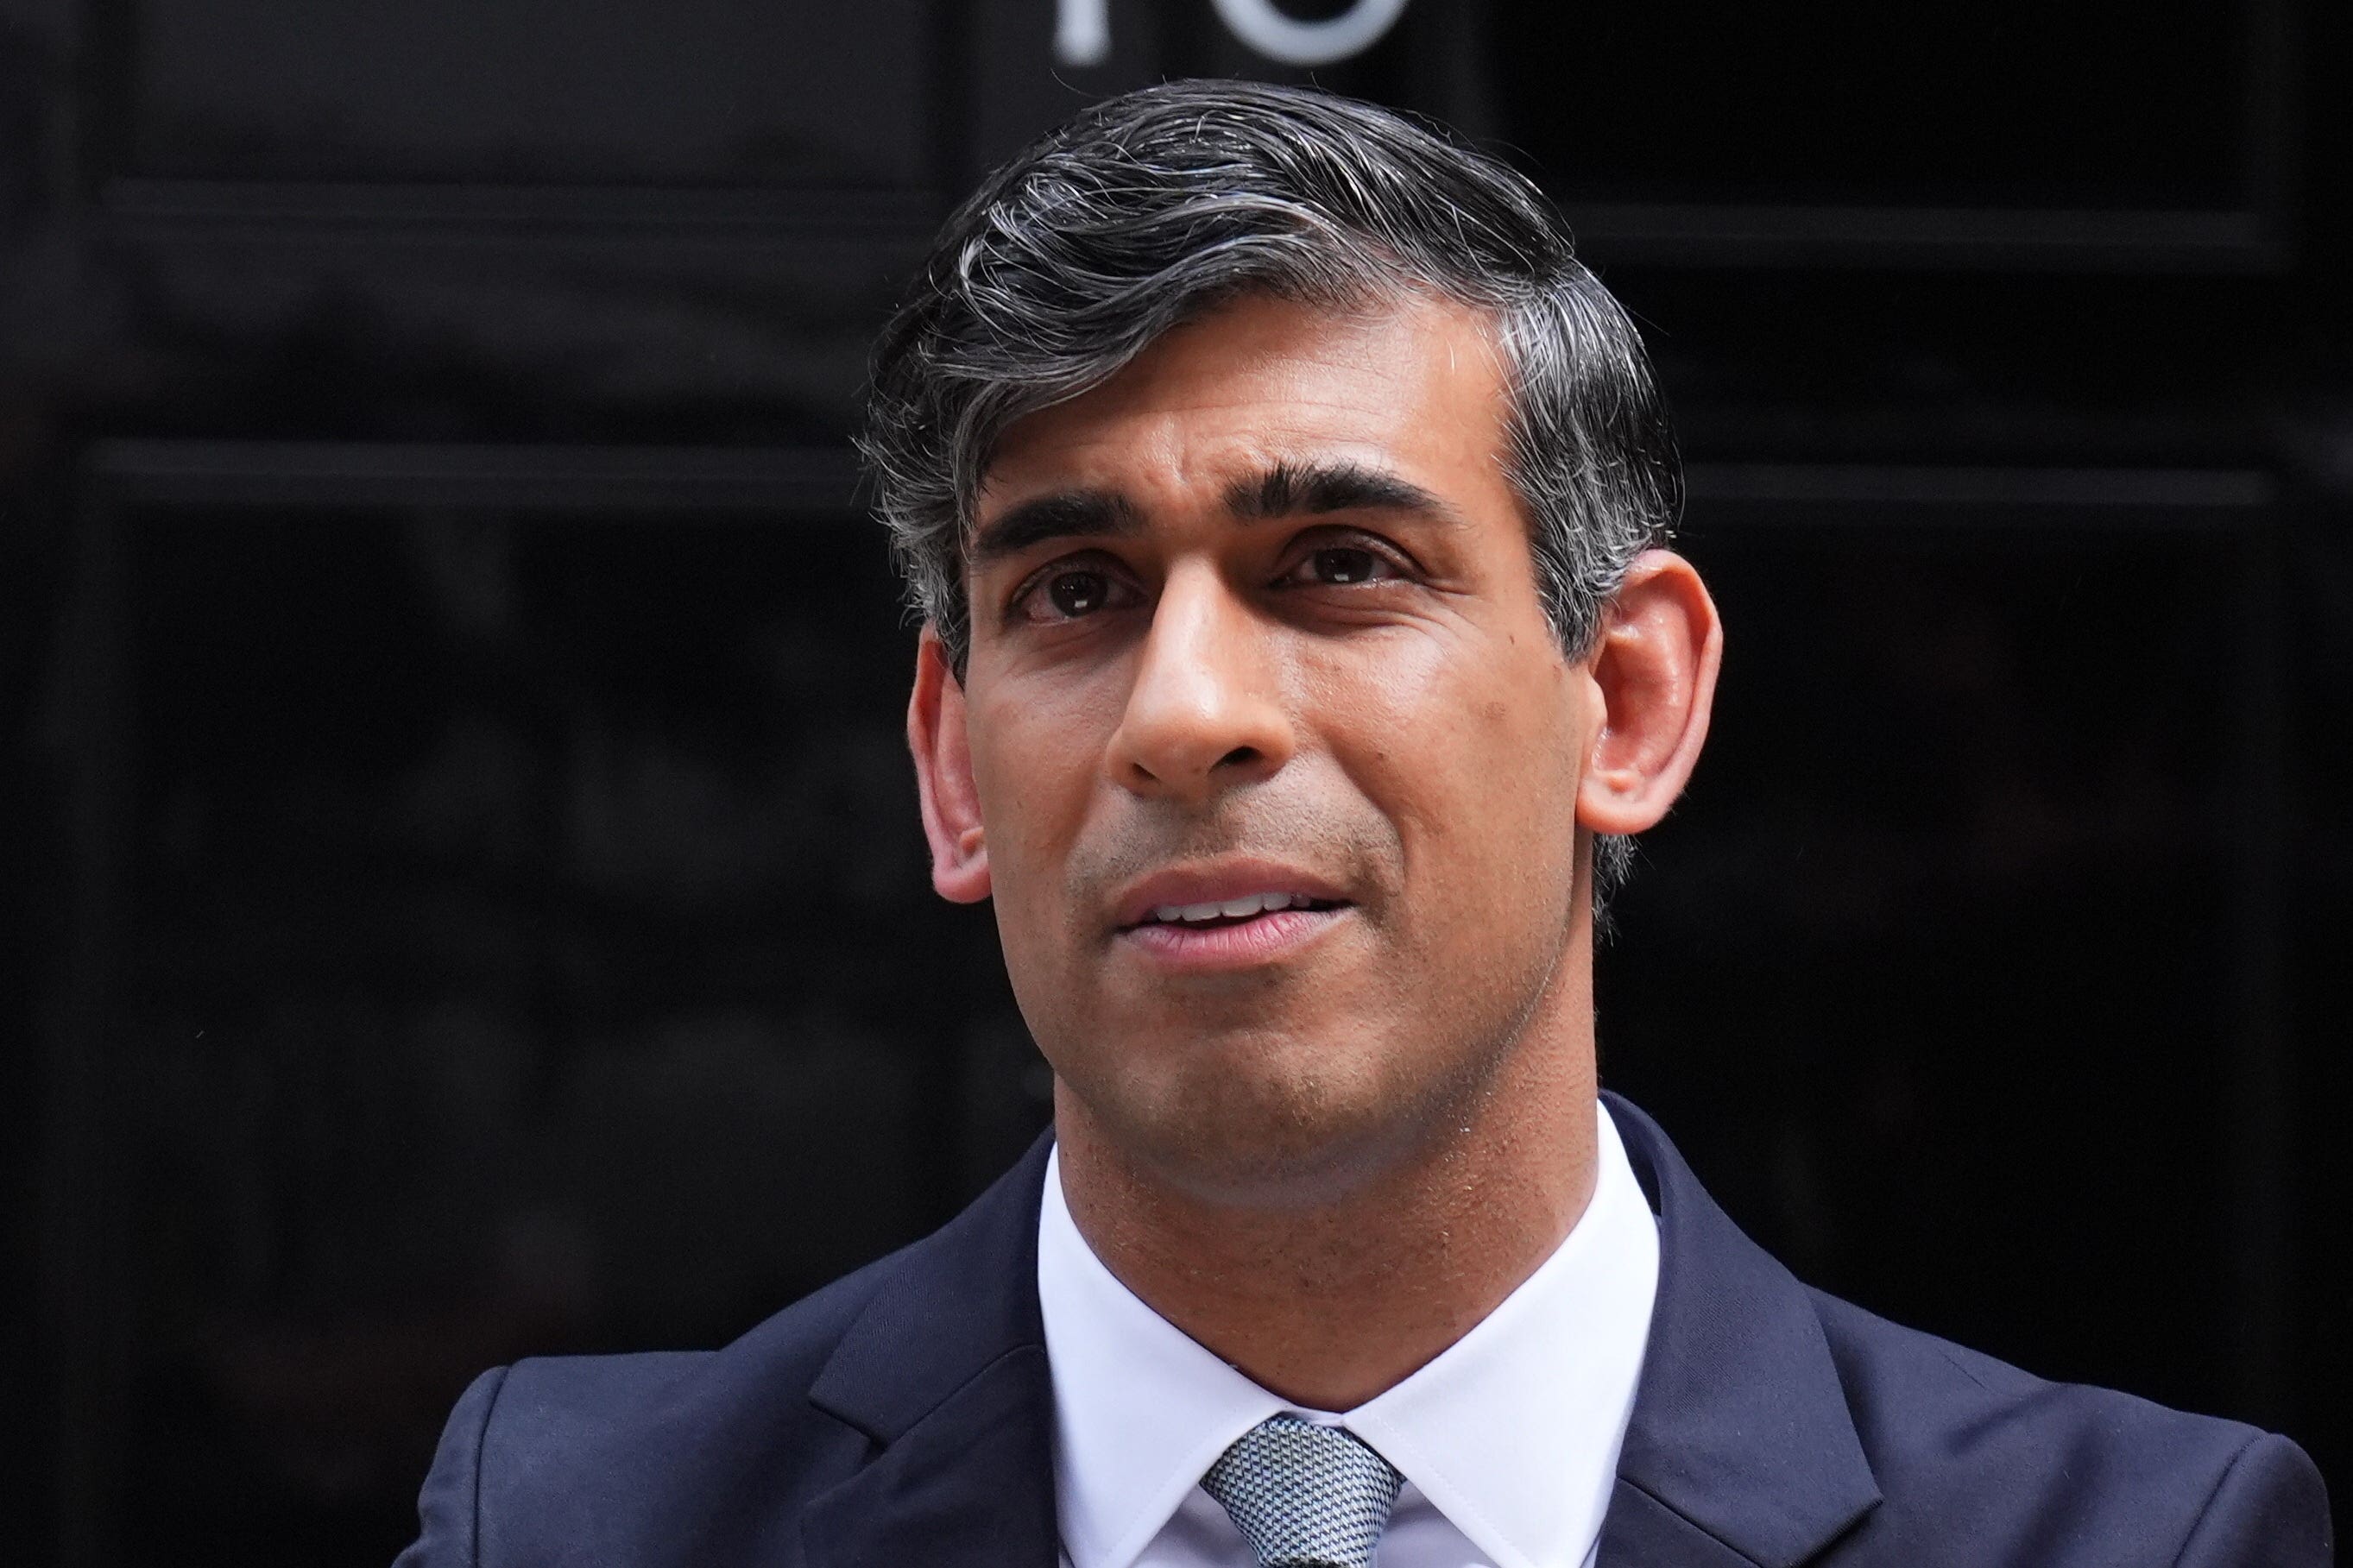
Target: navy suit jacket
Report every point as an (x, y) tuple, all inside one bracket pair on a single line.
[(903, 1417)]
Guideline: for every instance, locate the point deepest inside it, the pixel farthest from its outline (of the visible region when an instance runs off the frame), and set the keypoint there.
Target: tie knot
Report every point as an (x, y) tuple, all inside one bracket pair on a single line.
[(1304, 1496)]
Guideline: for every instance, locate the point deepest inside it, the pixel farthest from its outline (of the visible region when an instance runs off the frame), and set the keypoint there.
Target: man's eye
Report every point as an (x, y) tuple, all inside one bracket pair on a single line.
[(1343, 563), (1077, 593)]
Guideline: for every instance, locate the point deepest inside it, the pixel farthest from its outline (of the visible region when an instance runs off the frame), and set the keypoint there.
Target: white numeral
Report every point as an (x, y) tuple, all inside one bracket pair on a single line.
[(1295, 43), (1082, 30)]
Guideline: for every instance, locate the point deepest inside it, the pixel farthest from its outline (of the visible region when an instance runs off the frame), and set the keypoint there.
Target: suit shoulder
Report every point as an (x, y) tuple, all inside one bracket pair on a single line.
[(588, 1398), (2035, 1470), (2270, 1506), (636, 1457)]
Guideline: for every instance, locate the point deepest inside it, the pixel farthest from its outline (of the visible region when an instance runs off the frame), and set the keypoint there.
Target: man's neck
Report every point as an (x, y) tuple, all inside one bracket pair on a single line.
[(1332, 1304)]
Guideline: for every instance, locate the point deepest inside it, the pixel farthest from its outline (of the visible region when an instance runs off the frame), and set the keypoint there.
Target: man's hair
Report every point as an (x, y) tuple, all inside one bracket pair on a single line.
[(1149, 209)]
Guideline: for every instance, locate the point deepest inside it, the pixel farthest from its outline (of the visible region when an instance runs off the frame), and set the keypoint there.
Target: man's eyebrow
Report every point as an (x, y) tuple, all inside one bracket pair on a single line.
[(1065, 514), (1288, 489), (1292, 488)]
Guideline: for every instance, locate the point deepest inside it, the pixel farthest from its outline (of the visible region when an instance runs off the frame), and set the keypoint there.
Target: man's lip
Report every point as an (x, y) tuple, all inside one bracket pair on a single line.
[(1217, 881)]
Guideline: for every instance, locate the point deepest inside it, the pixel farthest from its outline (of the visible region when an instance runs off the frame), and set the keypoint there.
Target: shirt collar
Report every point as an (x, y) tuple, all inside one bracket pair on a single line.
[(1511, 1433)]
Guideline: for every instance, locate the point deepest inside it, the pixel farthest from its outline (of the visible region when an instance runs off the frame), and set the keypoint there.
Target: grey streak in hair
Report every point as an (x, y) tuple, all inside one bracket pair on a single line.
[(1149, 209)]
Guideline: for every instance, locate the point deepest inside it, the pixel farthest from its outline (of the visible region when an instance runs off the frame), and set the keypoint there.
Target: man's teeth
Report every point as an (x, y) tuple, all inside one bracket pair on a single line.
[(1228, 909)]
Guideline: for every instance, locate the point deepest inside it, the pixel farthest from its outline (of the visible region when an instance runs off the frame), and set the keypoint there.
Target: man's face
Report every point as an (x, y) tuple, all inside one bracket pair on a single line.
[(1255, 624)]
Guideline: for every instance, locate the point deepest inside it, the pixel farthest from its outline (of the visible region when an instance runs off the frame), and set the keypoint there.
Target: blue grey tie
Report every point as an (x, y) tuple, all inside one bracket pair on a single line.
[(1304, 1496)]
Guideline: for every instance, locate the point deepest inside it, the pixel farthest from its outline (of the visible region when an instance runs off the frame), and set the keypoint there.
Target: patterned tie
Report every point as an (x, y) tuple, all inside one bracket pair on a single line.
[(1304, 1496)]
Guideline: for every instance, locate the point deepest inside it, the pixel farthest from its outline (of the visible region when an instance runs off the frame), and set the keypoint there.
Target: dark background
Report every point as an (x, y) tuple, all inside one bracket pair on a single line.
[(462, 893)]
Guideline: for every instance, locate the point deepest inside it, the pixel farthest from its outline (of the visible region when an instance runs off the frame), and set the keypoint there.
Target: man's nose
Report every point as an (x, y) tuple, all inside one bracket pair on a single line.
[(1205, 712)]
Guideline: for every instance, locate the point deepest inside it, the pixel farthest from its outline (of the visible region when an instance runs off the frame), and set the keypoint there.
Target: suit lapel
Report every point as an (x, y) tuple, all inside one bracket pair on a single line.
[(1741, 1449), (945, 1374), (1641, 1531)]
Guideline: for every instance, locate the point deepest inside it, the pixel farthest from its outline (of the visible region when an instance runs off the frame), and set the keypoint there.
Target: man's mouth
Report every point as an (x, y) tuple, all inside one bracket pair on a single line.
[(1231, 912)]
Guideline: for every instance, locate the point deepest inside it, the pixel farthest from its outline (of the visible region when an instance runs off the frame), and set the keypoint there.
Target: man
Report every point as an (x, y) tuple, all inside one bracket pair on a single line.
[(1286, 506)]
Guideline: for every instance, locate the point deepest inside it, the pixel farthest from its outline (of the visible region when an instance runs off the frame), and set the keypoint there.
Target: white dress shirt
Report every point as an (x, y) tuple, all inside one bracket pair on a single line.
[(1508, 1440)]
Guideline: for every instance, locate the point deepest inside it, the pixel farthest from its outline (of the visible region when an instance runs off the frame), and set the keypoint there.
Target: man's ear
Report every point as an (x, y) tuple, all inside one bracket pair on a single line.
[(1654, 668), (935, 734)]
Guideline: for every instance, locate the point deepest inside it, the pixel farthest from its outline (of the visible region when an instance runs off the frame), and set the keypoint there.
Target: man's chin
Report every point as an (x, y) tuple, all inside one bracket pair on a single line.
[(1254, 1146)]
